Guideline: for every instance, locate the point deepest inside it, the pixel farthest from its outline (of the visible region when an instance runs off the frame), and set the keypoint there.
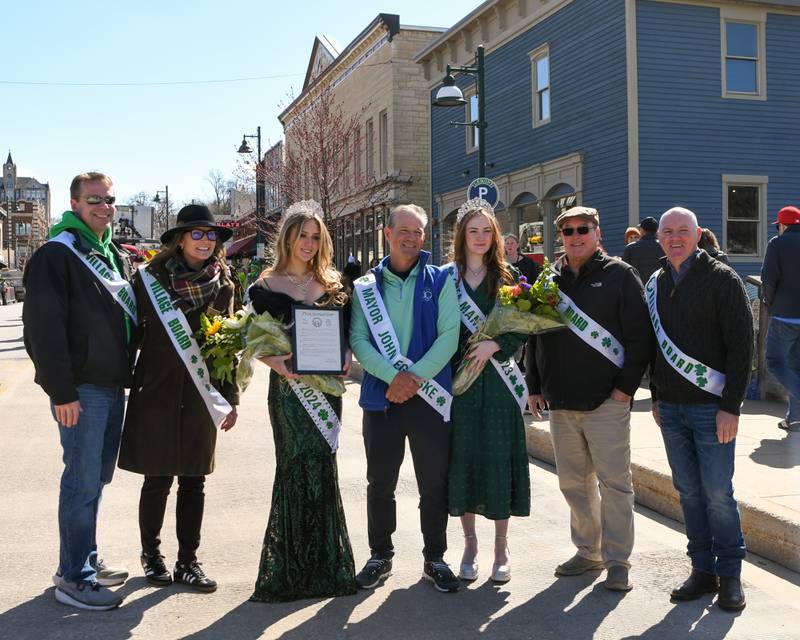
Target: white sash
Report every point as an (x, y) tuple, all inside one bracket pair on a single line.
[(180, 334), (385, 337), (319, 410), (699, 374), (473, 318), (119, 288), (592, 333)]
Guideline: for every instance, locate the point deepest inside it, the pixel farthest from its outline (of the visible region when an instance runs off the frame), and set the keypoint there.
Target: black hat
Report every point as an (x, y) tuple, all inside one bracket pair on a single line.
[(649, 225), (193, 216)]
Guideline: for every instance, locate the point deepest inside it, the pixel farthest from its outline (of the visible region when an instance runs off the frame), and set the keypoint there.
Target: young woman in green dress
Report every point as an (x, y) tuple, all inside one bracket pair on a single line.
[(306, 551), (489, 463)]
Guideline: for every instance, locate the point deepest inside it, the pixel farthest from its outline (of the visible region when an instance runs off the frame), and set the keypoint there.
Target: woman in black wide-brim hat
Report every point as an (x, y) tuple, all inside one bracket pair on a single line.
[(168, 429)]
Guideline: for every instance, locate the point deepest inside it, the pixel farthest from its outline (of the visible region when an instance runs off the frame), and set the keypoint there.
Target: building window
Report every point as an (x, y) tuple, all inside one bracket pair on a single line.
[(743, 54), (383, 132), (744, 215), (370, 150), (357, 177), (540, 84), (471, 96)]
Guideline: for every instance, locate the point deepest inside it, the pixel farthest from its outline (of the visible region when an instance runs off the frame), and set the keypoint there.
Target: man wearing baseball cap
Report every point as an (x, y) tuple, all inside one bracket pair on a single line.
[(587, 375), (779, 277), (645, 254)]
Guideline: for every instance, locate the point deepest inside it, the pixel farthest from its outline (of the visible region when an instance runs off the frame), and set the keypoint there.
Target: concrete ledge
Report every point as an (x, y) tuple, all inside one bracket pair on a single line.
[(767, 534)]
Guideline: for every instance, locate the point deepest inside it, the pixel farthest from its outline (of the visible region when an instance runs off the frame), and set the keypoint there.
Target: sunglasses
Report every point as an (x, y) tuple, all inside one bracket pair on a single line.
[(99, 199), (582, 230), (198, 234)]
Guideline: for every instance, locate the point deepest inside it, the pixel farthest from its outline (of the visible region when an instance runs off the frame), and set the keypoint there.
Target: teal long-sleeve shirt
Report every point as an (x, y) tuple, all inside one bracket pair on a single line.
[(398, 296)]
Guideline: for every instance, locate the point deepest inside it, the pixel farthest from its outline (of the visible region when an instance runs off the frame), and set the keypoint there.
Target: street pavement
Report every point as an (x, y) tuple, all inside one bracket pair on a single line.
[(534, 604)]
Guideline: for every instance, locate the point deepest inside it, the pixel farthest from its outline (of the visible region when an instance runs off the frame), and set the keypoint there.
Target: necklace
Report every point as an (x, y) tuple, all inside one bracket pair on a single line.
[(302, 285), (476, 272)]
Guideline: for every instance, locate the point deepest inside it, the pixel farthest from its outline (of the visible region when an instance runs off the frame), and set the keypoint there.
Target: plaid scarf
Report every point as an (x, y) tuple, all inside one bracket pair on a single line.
[(195, 288)]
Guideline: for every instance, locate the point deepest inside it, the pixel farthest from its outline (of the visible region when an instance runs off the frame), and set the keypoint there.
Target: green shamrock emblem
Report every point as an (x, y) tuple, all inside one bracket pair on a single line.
[(513, 378), (323, 414), (616, 351), (606, 342), (329, 424), (208, 387), (441, 401), (595, 334), (701, 382), (194, 359), (519, 390), (200, 373), (700, 369)]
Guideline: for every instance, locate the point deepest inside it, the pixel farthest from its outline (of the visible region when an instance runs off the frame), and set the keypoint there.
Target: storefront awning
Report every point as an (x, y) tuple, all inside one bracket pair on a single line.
[(244, 247)]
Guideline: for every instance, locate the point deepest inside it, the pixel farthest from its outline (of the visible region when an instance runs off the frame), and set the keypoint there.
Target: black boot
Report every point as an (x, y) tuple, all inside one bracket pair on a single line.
[(696, 585), (731, 594)]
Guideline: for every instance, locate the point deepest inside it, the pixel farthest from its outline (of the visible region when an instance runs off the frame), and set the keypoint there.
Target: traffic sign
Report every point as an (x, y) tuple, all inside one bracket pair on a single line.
[(484, 188)]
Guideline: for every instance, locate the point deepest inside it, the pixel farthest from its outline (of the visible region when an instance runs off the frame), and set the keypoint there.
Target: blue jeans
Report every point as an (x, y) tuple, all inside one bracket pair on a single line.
[(783, 360), (702, 472), (90, 455)]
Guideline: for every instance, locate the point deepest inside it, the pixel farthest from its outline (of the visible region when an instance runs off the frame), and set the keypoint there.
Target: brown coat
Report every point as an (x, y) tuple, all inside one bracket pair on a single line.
[(168, 431)]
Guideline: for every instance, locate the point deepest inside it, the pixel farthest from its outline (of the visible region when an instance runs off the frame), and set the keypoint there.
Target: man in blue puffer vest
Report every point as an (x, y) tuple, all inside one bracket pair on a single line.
[(404, 331)]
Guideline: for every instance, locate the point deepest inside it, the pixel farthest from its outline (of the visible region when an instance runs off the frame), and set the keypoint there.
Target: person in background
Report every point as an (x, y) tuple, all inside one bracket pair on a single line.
[(522, 263), (780, 277), (352, 271), (632, 234), (644, 254), (710, 244)]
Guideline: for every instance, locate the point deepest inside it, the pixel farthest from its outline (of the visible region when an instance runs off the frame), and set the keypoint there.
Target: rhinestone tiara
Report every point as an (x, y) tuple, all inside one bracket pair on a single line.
[(471, 205)]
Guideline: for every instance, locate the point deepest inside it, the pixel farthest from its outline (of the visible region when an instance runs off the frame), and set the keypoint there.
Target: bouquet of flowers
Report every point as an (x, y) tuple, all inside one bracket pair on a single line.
[(266, 336), (221, 339), (520, 308)]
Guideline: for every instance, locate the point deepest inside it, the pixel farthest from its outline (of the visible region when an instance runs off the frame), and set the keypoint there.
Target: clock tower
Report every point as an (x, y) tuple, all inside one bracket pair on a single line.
[(9, 177)]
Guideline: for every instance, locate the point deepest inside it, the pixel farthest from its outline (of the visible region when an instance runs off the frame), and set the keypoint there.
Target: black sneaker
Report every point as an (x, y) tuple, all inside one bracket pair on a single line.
[(374, 571), (155, 570), (439, 573), (193, 576)]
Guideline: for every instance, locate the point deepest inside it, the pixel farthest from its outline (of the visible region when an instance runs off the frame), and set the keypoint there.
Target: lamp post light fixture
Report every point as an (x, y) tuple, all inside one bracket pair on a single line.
[(449, 95), (245, 148), (157, 199)]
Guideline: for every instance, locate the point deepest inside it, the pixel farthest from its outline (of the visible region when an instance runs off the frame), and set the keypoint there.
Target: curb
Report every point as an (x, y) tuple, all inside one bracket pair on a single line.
[(766, 534)]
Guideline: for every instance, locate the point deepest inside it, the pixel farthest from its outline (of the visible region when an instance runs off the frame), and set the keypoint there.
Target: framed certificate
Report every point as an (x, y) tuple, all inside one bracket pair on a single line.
[(318, 344)]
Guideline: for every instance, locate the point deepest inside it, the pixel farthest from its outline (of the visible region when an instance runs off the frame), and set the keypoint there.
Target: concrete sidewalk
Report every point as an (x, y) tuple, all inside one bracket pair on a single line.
[(767, 477)]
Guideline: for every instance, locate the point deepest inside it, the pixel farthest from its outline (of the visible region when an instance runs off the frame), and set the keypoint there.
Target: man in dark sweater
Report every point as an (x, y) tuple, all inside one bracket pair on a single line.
[(704, 333), (644, 254), (780, 277), (588, 374)]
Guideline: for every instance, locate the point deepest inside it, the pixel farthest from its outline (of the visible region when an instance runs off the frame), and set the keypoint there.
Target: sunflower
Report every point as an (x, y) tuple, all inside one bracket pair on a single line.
[(214, 327)]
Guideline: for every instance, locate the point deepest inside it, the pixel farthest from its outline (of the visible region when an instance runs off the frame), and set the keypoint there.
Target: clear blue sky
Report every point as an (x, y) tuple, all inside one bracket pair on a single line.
[(146, 137)]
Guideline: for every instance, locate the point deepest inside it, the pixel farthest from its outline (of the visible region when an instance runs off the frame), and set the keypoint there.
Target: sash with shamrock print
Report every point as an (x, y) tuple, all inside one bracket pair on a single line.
[(592, 333), (473, 318), (180, 334), (119, 288), (319, 410), (380, 325), (699, 374)]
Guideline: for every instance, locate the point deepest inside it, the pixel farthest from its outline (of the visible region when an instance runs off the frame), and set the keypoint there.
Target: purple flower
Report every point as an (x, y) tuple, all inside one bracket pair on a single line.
[(522, 279), (525, 286)]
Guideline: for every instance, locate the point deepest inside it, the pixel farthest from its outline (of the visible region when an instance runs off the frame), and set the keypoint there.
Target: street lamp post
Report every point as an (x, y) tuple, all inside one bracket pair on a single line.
[(245, 148), (157, 200), (450, 95)]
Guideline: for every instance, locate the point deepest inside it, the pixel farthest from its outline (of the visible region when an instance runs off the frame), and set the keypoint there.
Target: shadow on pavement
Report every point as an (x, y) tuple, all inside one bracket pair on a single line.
[(687, 620), (43, 617), (781, 453)]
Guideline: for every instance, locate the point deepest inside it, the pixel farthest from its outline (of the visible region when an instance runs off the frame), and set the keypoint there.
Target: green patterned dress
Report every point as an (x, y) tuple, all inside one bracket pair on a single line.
[(306, 551), (488, 462)]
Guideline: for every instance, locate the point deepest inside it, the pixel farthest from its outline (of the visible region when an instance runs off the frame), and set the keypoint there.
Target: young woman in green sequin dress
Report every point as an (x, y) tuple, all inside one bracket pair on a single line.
[(306, 551)]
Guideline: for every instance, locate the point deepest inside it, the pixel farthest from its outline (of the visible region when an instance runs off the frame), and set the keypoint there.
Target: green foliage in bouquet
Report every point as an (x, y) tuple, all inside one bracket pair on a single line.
[(221, 339)]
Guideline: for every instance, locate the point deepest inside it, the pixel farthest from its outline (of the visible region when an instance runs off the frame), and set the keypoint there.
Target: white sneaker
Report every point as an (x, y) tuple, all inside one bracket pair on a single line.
[(87, 595)]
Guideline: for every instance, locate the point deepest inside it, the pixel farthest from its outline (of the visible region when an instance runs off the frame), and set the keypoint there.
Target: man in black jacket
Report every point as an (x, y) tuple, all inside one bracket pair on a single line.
[(780, 277), (588, 375), (704, 333), (644, 254), (78, 317)]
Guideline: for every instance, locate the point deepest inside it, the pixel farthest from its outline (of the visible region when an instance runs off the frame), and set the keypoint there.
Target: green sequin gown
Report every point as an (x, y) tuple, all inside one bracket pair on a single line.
[(306, 551), (489, 462)]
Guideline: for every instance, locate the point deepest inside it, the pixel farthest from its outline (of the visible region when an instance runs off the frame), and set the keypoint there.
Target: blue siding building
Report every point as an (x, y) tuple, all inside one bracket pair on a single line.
[(629, 106)]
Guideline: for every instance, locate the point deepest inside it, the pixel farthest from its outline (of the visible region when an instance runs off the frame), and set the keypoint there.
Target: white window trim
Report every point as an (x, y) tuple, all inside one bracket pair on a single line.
[(468, 93), (746, 181), (744, 15), (536, 55)]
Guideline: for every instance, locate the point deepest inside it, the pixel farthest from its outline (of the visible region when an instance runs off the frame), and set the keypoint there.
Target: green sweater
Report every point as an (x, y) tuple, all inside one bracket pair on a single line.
[(398, 296)]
